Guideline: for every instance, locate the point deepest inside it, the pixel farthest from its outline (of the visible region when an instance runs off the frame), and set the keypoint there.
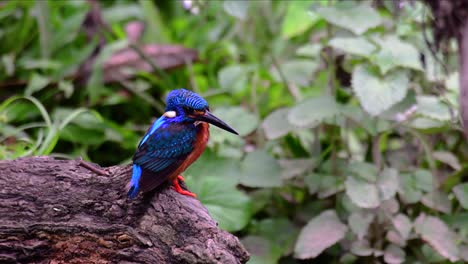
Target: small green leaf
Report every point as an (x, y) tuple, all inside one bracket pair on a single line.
[(403, 225), (238, 118), (276, 124), (362, 193), (311, 112), (298, 18), (359, 223), (319, 234), (262, 250), (377, 94), (230, 207), (297, 71), (36, 83), (354, 46), (356, 18), (363, 170), (461, 192), (388, 183), (279, 231), (394, 255), (394, 52), (432, 107), (237, 9), (423, 180), (259, 169), (437, 200), (295, 167), (438, 235), (448, 158), (234, 78), (408, 190)]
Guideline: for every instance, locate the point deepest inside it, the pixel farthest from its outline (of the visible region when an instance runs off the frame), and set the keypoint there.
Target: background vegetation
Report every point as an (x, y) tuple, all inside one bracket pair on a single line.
[(350, 147)]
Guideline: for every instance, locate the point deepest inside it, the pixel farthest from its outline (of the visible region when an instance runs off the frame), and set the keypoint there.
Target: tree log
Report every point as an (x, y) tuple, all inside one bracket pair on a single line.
[(57, 211)]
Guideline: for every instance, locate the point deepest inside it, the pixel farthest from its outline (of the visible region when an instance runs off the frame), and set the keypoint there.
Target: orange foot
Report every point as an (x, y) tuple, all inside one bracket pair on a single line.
[(177, 188)]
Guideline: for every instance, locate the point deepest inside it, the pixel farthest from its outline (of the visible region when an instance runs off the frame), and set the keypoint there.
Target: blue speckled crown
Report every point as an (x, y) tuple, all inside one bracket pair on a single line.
[(182, 97)]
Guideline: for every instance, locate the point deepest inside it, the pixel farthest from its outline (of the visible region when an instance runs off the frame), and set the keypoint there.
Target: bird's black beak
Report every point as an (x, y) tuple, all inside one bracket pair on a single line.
[(210, 118)]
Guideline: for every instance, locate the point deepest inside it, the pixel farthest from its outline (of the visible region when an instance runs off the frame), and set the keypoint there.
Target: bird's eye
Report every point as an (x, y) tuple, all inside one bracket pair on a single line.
[(188, 110)]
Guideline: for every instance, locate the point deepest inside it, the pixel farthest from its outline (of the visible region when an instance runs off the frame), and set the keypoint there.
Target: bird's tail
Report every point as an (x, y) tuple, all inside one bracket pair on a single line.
[(133, 186)]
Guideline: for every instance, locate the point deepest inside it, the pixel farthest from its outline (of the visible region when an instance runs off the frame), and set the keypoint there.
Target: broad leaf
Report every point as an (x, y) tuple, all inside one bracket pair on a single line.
[(298, 18), (376, 93), (259, 169), (276, 124), (234, 77), (354, 46), (356, 18), (395, 52), (297, 71), (230, 207), (238, 118), (319, 234), (431, 106), (461, 192), (438, 235), (394, 255), (311, 112), (359, 223), (437, 200), (262, 250), (388, 183), (279, 231), (362, 193), (403, 225), (236, 9)]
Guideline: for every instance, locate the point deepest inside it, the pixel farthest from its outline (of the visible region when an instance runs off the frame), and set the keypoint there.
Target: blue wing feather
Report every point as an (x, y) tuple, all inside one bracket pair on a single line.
[(161, 151)]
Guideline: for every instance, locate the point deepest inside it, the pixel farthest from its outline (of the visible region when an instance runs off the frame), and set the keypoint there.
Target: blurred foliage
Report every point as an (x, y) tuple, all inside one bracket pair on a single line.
[(350, 146)]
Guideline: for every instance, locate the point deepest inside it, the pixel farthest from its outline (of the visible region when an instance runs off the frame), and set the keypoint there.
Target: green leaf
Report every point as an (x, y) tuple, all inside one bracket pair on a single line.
[(461, 192), (377, 94), (423, 180), (394, 52), (238, 118), (311, 112), (437, 200), (310, 50), (259, 169), (354, 46), (298, 19), (362, 193), (356, 18), (230, 207), (359, 223), (438, 235), (408, 190), (394, 255), (262, 250), (432, 107), (209, 164), (403, 225), (448, 158), (320, 233), (237, 9), (36, 83), (297, 71), (276, 124), (234, 77), (279, 231), (388, 183), (364, 170)]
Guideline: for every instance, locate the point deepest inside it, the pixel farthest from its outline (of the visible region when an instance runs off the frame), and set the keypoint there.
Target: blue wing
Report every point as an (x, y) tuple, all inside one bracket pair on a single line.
[(161, 151)]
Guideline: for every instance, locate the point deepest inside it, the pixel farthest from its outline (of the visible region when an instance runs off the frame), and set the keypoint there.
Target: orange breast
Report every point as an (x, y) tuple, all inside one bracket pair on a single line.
[(199, 146)]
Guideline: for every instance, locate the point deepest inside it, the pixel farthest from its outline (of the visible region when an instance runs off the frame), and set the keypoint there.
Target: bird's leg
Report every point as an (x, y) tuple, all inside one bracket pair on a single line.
[(177, 188)]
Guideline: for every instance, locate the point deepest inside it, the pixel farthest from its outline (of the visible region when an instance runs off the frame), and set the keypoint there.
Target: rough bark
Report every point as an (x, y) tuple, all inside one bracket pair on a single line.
[(56, 211)]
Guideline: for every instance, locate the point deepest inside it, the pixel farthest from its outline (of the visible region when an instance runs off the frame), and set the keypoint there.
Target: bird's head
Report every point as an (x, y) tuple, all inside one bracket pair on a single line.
[(186, 106)]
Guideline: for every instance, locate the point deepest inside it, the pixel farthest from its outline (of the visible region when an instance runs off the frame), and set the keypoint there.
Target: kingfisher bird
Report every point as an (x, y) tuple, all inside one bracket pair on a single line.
[(173, 143)]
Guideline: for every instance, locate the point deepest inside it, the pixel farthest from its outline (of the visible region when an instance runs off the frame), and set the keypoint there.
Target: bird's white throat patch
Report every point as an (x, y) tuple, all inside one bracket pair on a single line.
[(170, 114)]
